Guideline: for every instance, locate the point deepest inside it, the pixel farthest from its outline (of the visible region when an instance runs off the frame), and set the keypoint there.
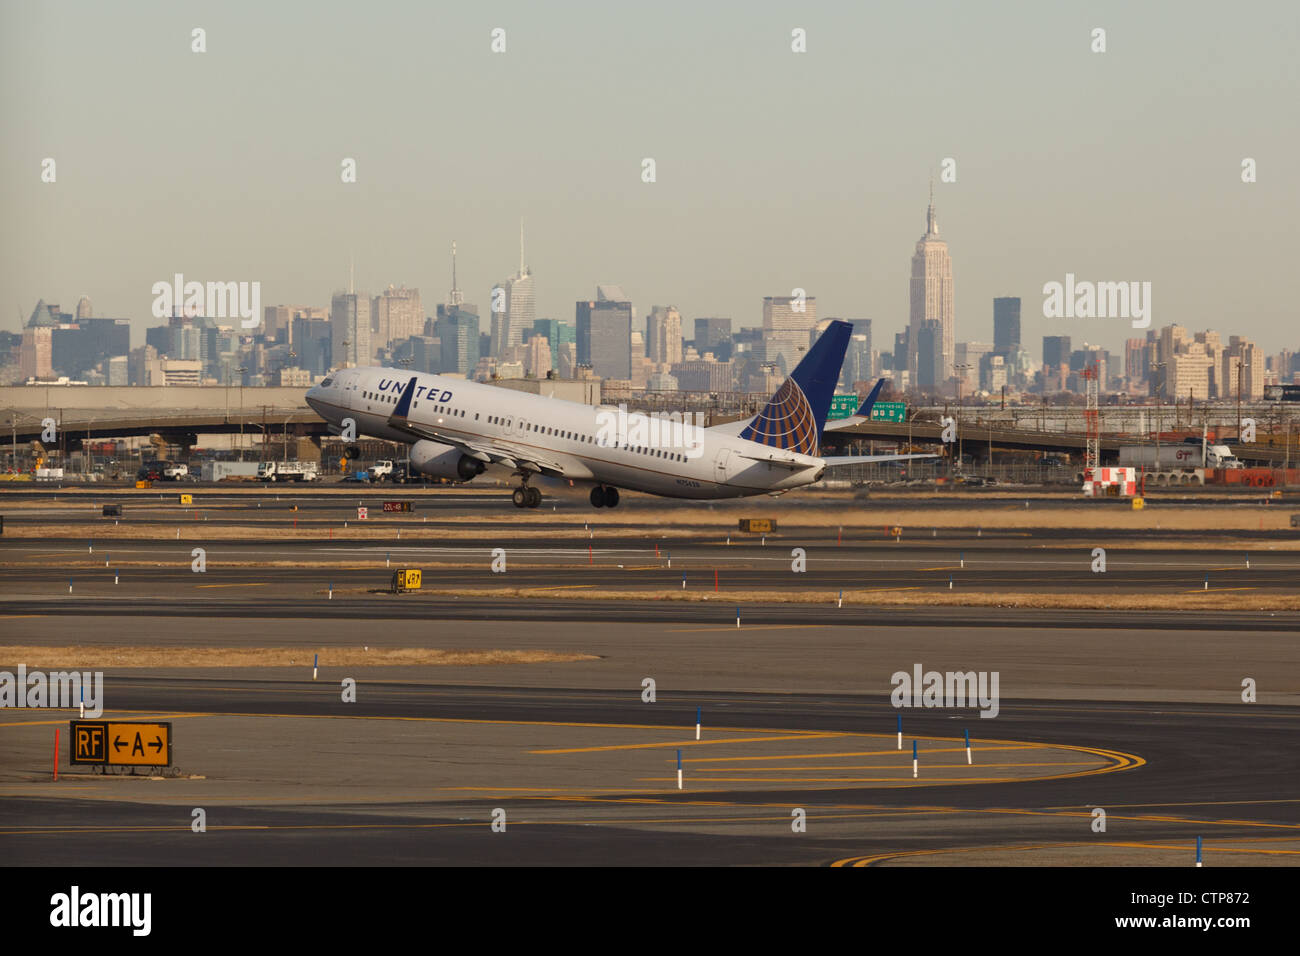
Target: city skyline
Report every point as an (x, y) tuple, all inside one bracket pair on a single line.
[(1073, 177)]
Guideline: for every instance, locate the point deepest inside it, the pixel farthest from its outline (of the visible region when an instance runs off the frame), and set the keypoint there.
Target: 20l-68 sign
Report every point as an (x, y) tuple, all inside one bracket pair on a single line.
[(121, 743)]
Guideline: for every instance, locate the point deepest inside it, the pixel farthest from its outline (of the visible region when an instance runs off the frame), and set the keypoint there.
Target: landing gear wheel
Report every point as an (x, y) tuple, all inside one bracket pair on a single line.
[(598, 497), (611, 497), (520, 497), (533, 496)]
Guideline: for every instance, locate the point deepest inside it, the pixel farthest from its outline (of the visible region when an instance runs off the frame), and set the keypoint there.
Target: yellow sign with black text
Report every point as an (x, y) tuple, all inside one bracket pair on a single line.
[(187, 499), (407, 579), (121, 743)]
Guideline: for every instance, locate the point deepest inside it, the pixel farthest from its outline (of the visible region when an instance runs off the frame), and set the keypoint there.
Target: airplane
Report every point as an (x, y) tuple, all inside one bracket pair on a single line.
[(862, 414), (458, 428)]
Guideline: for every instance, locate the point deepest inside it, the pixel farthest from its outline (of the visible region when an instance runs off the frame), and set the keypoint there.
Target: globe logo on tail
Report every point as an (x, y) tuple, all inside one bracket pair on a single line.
[(786, 422)]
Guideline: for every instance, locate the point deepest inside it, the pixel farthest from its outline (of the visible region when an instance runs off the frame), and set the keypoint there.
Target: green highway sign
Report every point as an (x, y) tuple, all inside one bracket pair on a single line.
[(889, 412), (842, 406)]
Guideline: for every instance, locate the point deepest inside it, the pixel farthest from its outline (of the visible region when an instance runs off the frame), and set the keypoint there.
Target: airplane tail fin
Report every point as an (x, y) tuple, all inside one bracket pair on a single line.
[(794, 417)]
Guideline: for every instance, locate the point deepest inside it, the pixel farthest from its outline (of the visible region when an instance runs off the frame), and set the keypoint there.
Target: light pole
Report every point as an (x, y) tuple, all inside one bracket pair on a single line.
[(1240, 365), (1156, 367), (242, 370), (961, 371)]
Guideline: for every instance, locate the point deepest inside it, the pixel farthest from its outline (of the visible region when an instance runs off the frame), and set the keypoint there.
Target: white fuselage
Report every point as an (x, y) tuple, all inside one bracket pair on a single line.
[(643, 454)]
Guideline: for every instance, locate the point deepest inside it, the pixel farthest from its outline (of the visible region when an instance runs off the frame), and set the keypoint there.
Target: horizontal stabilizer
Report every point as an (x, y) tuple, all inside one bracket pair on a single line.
[(869, 459)]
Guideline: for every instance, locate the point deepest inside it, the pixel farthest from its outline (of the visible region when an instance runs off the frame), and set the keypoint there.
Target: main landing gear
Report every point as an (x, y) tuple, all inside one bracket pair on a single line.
[(602, 496), (526, 497)]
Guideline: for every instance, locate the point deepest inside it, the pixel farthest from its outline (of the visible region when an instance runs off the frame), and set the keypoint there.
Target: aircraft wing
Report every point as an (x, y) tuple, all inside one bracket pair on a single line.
[(506, 454), (843, 423)]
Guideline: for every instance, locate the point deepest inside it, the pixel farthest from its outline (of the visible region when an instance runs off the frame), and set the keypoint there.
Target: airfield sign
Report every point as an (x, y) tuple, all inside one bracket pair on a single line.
[(121, 743)]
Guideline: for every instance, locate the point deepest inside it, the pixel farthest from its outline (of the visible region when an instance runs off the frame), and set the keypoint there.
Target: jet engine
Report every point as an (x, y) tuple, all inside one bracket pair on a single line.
[(443, 461)]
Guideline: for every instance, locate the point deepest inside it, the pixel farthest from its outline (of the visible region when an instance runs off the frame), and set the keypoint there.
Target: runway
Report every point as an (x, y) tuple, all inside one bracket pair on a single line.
[(791, 564), (1136, 709)]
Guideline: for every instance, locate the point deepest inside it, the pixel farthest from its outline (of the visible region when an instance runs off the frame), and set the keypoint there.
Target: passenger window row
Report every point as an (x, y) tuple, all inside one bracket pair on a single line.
[(542, 429)]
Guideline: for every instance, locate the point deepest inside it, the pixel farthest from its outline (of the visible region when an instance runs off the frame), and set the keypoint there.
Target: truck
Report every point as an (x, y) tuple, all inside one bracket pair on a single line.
[(403, 474), (287, 471), (1178, 456), (229, 470), (175, 471), (1216, 456), (381, 470)]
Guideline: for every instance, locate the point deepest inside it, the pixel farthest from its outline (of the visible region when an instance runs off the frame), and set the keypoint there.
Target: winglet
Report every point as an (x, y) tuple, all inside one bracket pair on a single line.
[(864, 410), (403, 404)]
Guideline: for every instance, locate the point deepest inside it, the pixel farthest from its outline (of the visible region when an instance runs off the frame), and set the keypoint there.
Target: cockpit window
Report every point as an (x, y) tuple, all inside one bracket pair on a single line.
[(327, 383)]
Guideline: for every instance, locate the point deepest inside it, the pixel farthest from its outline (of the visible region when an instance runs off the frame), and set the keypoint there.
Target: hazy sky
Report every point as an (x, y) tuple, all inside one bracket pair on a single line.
[(775, 169)]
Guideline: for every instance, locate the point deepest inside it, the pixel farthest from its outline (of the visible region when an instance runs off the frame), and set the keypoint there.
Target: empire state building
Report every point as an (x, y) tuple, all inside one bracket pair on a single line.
[(931, 299)]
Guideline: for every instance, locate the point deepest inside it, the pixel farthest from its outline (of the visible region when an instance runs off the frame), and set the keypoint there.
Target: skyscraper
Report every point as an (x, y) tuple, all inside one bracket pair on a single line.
[(457, 329), (929, 356), (312, 341), (1135, 361), (59, 343), (902, 350), (1006, 326), (663, 339), (713, 335), (559, 334), (396, 314), (278, 321), (537, 356), (82, 345), (931, 296), (604, 336), (350, 329), (36, 355), (513, 308), (1242, 370), (1056, 350), (974, 356), (859, 361), (787, 325)]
